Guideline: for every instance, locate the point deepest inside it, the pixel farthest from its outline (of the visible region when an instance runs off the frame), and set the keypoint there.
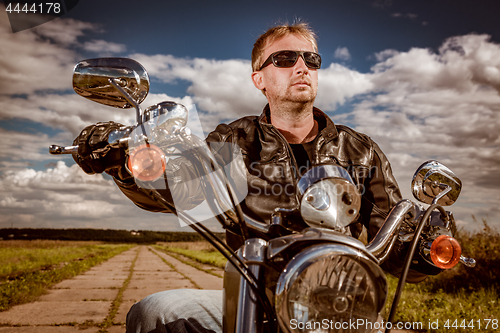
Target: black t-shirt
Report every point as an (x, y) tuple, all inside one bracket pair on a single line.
[(303, 153)]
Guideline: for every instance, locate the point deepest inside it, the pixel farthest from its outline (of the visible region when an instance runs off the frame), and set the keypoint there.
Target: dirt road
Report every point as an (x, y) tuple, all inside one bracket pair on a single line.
[(103, 295)]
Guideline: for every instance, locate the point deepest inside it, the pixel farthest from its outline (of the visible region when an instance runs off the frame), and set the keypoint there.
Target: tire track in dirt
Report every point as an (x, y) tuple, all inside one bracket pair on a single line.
[(102, 296)]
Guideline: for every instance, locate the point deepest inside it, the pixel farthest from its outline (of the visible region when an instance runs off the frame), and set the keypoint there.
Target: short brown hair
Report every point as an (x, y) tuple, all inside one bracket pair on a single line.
[(300, 28)]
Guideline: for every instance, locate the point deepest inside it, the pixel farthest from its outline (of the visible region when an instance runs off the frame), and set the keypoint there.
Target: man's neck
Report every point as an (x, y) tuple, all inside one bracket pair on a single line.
[(297, 124)]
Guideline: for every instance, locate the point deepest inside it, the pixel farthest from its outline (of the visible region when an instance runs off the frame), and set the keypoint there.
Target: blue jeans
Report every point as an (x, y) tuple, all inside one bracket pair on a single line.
[(180, 311)]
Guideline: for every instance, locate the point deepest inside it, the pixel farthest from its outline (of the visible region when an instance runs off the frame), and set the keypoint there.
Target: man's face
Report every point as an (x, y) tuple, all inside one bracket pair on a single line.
[(293, 84)]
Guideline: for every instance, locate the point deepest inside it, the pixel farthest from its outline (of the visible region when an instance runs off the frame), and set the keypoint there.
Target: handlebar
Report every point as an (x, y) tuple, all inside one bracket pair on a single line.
[(60, 150)]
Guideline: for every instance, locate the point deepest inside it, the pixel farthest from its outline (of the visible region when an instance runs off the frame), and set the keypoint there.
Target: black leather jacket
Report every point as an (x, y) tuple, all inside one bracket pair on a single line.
[(272, 178)]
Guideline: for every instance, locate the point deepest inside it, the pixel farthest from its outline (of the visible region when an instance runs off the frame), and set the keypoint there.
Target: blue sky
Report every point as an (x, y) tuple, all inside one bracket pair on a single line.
[(422, 78)]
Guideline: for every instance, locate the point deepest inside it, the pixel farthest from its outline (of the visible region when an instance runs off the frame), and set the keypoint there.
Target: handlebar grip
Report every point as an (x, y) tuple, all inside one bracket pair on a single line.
[(59, 150)]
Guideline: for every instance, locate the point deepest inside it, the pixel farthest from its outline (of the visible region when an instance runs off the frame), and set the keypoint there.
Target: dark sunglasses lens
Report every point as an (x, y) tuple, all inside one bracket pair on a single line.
[(285, 58), (313, 60)]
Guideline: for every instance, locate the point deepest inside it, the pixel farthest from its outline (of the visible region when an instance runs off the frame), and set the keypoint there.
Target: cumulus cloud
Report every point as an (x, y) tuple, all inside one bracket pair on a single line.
[(68, 112), (441, 104), (25, 147), (29, 62), (338, 83), (342, 53), (43, 58), (66, 197), (103, 47), (71, 112), (465, 63), (28, 191), (64, 31), (385, 54), (220, 87)]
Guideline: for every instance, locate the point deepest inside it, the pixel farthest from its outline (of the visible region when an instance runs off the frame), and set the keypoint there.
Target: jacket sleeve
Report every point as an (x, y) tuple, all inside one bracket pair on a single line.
[(381, 195), (381, 192)]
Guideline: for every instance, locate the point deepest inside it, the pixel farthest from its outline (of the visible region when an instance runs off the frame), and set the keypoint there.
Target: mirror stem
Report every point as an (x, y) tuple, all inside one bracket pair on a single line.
[(129, 99), (447, 188)]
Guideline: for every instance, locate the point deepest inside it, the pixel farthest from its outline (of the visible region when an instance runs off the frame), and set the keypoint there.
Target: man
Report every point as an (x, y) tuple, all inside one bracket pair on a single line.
[(277, 147)]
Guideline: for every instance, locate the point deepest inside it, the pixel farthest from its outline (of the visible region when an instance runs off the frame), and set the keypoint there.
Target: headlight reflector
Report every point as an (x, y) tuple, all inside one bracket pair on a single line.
[(327, 285)]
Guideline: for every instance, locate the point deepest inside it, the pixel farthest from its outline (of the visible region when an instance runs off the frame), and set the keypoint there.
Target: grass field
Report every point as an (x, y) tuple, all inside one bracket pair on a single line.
[(201, 252), (29, 268)]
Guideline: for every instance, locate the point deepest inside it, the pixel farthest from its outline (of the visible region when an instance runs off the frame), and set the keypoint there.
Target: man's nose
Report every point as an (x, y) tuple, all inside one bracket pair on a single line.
[(300, 66)]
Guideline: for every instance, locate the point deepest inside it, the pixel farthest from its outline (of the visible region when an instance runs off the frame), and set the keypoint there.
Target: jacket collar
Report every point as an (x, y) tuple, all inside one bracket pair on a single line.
[(329, 130)]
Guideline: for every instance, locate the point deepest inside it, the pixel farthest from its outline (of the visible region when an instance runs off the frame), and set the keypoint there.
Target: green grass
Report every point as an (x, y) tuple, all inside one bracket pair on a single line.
[(16, 261), (420, 303), (213, 258), (193, 263), (24, 283)]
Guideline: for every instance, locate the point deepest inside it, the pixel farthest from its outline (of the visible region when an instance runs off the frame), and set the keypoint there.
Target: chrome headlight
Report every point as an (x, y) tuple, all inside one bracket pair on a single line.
[(329, 198), (327, 287)]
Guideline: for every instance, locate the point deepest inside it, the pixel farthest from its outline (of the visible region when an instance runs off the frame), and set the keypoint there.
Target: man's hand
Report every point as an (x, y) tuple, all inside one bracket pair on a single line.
[(94, 153)]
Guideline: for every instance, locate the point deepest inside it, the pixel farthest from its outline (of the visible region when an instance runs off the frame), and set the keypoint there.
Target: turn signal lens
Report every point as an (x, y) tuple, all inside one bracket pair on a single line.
[(147, 162), (445, 252)]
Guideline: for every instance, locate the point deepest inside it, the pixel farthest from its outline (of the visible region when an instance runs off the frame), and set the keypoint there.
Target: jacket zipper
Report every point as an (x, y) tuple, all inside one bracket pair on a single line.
[(295, 168)]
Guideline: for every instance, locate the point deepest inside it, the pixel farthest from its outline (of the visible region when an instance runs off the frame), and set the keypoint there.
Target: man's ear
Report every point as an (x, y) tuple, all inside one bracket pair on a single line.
[(258, 80)]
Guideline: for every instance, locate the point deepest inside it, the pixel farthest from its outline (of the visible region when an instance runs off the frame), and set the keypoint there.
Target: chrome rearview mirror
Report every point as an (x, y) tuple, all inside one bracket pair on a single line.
[(435, 182), (100, 80)]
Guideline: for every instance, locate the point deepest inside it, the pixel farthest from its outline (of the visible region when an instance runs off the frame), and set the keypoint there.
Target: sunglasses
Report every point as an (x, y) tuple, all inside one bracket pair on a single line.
[(288, 58)]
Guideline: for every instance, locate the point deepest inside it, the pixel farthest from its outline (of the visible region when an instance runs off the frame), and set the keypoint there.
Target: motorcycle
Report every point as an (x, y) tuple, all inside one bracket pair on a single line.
[(311, 278)]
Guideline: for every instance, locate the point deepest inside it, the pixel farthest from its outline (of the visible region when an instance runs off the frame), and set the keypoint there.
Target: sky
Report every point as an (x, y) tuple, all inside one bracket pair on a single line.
[(421, 78)]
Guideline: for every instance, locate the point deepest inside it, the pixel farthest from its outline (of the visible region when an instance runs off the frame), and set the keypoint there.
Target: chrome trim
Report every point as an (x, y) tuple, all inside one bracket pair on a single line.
[(254, 251), (432, 179), (425, 251), (256, 225), (91, 79), (117, 84), (383, 241), (319, 173), (115, 136), (469, 262), (334, 203), (384, 255), (249, 311), (446, 189), (318, 199), (280, 244), (59, 150)]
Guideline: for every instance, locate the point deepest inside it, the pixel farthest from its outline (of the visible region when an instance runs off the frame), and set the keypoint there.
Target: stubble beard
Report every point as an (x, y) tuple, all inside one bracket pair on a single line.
[(295, 103)]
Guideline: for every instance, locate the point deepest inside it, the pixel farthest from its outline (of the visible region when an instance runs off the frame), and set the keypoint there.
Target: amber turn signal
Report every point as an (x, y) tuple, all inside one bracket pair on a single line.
[(445, 252), (147, 162)]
